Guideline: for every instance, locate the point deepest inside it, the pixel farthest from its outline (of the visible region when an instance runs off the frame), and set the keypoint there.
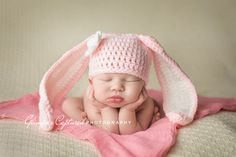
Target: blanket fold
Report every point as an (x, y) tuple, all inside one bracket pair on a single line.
[(156, 141)]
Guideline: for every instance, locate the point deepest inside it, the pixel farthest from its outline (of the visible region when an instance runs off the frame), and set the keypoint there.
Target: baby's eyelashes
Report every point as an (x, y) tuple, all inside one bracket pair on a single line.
[(105, 79), (121, 80), (132, 80)]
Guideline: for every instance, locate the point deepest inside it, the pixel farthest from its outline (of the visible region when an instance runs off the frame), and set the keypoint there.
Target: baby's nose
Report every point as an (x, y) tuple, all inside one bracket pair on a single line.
[(118, 87)]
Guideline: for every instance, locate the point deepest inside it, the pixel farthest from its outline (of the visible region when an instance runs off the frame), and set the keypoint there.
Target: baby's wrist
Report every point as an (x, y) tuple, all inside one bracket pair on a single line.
[(107, 108), (127, 108)]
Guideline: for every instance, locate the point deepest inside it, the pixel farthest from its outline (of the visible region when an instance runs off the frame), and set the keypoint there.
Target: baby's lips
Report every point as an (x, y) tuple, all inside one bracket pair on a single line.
[(115, 99)]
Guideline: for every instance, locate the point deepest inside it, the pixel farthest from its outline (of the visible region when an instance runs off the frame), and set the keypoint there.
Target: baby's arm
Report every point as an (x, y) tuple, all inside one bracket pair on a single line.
[(109, 115), (140, 120), (73, 107), (145, 114), (109, 118)]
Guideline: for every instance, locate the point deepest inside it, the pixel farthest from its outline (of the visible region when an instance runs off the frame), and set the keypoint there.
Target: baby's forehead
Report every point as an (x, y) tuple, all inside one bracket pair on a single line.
[(116, 75)]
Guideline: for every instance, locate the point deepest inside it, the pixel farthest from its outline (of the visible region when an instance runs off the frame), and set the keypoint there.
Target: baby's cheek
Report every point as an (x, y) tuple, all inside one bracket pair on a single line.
[(132, 96), (100, 95)]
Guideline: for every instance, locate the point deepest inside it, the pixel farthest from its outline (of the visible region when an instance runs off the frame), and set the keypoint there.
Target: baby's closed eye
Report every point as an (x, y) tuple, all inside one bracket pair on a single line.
[(132, 80), (105, 79), (122, 80)]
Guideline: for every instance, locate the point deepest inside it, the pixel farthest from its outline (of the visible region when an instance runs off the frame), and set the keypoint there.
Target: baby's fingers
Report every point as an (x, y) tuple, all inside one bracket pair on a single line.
[(91, 93), (144, 94), (92, 99)]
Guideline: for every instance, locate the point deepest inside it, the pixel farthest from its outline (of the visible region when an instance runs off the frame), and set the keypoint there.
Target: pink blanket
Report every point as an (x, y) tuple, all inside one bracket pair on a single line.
[(154, 142)]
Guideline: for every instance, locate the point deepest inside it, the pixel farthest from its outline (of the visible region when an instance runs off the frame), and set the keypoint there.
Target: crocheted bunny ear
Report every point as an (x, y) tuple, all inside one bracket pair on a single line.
[(179, 94), (60, 78)]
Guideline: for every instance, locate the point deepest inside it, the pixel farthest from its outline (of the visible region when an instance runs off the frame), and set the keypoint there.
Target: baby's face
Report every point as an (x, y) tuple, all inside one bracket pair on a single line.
[(116, 90)]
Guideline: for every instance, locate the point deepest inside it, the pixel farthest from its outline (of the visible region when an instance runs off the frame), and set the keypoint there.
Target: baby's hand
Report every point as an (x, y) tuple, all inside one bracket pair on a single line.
[(92, 99), (84, 117), (134, 105), (156, 115)]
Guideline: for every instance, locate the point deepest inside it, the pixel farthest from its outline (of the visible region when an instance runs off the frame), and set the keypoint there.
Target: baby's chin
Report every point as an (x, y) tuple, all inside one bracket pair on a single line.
[(117, 105)]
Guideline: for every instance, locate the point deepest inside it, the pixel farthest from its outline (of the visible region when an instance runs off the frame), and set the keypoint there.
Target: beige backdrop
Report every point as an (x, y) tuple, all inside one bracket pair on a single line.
[(199, 34)]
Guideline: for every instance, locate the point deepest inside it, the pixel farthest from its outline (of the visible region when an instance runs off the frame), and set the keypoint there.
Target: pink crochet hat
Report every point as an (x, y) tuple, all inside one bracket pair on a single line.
[(119, 53)]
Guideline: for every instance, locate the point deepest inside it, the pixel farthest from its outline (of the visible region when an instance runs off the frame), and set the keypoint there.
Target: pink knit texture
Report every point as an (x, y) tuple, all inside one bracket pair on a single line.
[(122, 53)]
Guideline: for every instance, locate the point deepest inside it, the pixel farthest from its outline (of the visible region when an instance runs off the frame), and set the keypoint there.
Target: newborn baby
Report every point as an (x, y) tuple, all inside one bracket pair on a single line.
[(117, 98), (118, 73)]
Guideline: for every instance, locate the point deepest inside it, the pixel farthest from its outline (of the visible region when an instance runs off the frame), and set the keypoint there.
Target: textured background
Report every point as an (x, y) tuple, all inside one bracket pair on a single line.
[(200, 35)]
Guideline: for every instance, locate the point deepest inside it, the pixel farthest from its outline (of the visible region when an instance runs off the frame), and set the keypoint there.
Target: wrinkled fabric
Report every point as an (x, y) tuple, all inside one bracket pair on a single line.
[(156, 141)]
